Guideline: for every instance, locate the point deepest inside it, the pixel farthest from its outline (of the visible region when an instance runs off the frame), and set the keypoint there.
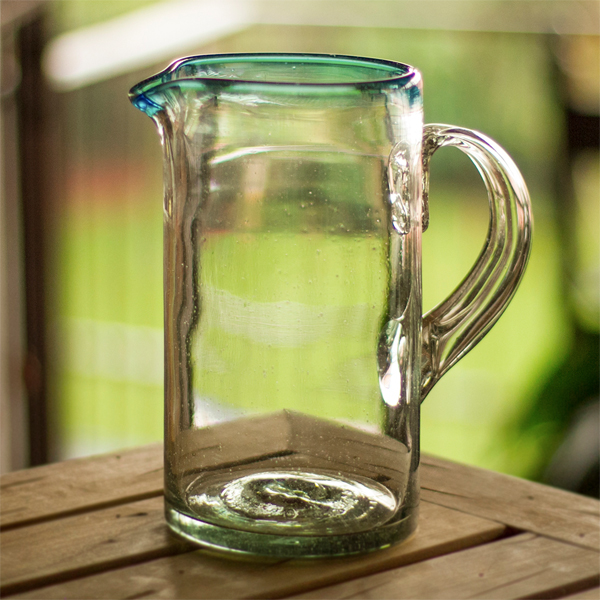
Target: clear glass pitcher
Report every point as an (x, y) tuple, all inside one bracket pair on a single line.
[(296, 351)]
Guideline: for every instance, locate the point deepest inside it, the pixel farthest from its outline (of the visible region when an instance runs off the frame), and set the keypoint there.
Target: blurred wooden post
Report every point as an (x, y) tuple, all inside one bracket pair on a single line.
[(24, 428)]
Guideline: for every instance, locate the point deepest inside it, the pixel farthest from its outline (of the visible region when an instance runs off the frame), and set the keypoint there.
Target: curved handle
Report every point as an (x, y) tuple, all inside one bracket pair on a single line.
[(456, 325)]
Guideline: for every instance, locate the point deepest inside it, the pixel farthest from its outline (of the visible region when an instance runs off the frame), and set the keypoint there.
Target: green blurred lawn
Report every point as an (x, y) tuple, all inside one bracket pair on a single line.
[(107, 275), (111, 387)]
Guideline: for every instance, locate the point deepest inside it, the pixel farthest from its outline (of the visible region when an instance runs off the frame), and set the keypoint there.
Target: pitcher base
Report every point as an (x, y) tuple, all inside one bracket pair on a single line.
[(291, 513)]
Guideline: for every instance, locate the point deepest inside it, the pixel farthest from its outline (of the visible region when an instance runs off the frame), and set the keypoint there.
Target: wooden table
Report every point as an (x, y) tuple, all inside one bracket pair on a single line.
[(94, 528)]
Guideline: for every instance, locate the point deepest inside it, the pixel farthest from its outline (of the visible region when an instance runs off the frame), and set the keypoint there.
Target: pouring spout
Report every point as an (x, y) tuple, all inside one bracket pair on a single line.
[(142, 102)]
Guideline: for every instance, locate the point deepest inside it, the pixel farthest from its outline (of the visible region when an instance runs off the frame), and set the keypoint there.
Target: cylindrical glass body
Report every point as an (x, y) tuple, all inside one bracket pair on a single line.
[(293, 321)]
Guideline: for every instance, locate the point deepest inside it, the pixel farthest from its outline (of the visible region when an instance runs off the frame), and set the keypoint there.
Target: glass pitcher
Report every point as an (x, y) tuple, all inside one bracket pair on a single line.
[(296, 351)]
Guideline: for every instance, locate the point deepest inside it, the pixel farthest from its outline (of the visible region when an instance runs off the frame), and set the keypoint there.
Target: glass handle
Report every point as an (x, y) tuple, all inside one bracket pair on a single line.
[(456, 325)]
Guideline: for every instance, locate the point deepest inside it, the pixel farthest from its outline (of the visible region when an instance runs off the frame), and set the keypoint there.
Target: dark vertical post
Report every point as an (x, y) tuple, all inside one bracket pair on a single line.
[(32, 94)]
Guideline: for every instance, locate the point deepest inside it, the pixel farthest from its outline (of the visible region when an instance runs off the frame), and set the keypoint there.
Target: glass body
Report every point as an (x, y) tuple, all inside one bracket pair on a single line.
[(296, 353)]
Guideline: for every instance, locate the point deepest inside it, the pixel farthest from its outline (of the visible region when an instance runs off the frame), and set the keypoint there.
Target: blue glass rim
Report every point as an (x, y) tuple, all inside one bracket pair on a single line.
[(386, 73)]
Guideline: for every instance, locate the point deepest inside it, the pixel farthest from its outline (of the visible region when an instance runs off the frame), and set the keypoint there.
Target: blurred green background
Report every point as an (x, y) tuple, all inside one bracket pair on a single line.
[(106, 234)]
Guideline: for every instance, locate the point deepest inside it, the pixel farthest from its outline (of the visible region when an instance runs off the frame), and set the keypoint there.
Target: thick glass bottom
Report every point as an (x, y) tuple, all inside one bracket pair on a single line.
[(291, 513)]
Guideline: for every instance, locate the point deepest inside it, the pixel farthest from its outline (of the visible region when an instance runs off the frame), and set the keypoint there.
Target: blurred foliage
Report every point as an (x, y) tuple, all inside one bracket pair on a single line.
[(108, 235)]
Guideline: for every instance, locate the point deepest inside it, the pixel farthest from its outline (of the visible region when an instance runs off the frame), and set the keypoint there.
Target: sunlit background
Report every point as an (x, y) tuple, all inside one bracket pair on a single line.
[(525, 73)]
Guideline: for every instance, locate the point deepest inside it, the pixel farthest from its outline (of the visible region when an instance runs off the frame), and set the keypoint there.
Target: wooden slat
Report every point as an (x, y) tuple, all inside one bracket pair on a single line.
[(80, 484), (75, 546), (74, 536), (523, 566), (293, 438), (591, 594), (88, 483), (62, 488), (518, 503), (203, 574), (243, 440)]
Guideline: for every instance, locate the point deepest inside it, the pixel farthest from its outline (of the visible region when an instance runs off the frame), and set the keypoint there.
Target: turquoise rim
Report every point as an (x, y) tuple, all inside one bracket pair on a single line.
[(385, 73)]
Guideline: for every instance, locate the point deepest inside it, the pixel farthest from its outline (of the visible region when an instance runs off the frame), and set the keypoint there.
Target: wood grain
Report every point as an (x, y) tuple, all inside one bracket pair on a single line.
[(83, 484), (523, 566), (79, 545), (591, 594), (292, 439), (99, 532), (516, 502), (202, 574), (41, 493)]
